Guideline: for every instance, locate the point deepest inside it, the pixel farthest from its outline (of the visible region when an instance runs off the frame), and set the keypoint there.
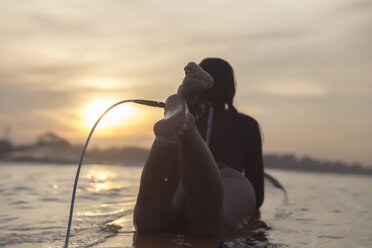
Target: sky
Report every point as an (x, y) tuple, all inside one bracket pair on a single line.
[(303, 68)]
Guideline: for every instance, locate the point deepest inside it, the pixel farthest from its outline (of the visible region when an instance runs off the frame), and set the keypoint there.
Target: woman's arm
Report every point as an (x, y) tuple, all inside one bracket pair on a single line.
[(254, 169)]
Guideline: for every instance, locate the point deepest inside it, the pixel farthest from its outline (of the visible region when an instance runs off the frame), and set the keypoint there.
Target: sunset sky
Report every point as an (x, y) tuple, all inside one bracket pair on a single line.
[(303, 68)]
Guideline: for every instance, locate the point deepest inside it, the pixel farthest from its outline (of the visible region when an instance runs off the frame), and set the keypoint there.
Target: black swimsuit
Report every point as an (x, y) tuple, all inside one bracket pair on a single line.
[(235, 141)]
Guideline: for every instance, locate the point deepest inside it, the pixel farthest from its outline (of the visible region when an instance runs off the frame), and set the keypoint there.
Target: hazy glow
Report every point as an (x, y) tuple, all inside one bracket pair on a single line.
[(100, 83), (114, 117), (295, 88), (302, 68)]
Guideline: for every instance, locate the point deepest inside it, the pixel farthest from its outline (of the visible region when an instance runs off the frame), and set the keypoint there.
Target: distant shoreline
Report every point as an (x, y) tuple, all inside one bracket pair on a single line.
[(50, 148), (271, 161)]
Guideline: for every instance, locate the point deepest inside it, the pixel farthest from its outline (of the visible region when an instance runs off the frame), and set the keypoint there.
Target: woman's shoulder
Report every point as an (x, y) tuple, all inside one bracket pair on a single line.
[(250, 128), (248, 120)]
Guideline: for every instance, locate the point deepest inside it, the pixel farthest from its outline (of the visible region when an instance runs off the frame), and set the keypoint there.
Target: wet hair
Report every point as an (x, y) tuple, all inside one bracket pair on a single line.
[(223, 90)]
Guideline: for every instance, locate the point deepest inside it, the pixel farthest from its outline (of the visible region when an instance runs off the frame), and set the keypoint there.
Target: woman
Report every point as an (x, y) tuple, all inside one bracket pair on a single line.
[(192, 179)]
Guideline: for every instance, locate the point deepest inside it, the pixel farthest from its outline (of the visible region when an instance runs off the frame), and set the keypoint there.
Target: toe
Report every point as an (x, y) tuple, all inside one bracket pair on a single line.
[(192, 65)]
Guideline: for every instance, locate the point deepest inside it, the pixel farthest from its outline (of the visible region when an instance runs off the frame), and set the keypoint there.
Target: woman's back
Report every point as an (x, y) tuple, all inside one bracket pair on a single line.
[(235, 142)]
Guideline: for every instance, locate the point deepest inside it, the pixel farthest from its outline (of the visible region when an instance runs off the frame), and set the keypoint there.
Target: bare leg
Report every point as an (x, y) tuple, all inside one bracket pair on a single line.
[(216, 199), (202, 181), (198, 171), (157, 208), (159, 180)]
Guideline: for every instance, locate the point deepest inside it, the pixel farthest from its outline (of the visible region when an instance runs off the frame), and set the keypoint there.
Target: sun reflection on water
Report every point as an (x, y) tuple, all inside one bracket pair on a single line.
[(100, 213), (101, 179), (101, 186), (100, 174)]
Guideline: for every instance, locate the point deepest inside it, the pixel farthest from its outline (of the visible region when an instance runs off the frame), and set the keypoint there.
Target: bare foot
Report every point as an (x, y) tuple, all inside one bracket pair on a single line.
[(173, 125), (196, 81)]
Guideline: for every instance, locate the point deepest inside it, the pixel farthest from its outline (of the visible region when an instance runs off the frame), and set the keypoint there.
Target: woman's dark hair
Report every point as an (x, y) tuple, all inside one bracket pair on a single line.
[(223, 89)]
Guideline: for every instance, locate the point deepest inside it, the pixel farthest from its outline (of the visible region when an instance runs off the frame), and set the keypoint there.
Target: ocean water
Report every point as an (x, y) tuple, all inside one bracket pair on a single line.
[(319, 210)]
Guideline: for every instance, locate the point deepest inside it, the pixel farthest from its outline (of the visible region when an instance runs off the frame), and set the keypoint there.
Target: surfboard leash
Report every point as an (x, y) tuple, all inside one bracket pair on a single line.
[(137, 101)]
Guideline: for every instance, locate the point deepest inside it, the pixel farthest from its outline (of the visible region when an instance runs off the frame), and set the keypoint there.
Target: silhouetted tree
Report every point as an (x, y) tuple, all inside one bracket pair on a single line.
[(52, 139), (5, 147)]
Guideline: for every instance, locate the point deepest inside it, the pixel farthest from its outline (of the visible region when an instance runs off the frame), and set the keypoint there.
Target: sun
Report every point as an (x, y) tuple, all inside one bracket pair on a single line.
[(119, 114)]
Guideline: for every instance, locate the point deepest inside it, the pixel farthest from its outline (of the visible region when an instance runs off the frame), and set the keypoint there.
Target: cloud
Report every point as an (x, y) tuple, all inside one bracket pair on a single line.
[(356, 6), (301, 64), (295, 88)]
